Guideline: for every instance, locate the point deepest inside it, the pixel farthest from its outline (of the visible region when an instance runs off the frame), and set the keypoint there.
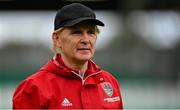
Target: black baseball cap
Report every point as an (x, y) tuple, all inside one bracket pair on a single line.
[(74, 13)]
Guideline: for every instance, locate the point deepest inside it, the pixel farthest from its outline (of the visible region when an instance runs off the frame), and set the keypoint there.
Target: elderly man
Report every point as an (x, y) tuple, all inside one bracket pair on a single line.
[(71, 80)]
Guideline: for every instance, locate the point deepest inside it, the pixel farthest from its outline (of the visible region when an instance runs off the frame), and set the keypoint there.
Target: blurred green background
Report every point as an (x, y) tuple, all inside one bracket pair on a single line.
[(140, 46)]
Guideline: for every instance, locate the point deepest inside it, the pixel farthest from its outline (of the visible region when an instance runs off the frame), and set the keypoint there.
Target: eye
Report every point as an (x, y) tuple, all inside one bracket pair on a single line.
[(76, 32), (91, 32)]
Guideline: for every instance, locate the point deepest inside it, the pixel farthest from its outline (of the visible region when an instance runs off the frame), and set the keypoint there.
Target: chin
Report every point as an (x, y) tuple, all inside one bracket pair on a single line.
[(84, 57)]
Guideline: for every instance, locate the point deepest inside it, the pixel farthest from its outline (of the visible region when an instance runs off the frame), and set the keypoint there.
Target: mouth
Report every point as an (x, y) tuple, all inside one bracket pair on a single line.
[(83, 49)]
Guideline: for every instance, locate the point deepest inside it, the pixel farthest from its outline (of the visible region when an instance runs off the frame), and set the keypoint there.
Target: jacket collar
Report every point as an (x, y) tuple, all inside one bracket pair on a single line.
[(57, 66)]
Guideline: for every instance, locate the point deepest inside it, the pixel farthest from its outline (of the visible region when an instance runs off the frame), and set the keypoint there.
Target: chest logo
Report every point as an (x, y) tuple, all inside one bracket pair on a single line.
[(107, 87), (66, 102)]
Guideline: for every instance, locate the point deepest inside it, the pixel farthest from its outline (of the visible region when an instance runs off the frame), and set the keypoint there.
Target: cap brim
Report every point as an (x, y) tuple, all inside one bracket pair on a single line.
[(76, 21)]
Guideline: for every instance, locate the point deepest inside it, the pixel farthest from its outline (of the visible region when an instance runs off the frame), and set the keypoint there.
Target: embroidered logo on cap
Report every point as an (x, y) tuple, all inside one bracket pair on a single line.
[(107, 87)]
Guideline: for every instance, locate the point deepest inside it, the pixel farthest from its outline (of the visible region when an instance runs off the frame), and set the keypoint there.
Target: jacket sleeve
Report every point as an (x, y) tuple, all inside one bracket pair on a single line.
[(119, 92), (117, 88), (27, 96)]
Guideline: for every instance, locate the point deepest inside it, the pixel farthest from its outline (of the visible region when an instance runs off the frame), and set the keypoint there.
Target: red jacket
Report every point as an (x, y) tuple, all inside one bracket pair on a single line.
[(57, 86)]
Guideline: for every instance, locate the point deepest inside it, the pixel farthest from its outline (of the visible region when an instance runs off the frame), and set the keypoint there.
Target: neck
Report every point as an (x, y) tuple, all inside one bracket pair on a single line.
[(76, 65)]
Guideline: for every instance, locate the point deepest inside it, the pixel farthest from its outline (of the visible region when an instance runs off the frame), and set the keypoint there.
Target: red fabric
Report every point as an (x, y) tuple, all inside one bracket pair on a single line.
[(56, 86)]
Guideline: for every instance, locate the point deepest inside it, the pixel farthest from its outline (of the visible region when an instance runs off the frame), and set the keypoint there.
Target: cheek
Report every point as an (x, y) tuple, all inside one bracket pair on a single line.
[(93, 42), (69, 45)]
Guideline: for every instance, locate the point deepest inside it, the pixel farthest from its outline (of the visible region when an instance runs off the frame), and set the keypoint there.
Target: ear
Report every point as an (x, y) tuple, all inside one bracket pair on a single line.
[(56, 39)]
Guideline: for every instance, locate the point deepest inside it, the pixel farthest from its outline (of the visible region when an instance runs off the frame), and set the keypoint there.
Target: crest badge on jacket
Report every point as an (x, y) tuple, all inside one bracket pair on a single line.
[(107, 87)]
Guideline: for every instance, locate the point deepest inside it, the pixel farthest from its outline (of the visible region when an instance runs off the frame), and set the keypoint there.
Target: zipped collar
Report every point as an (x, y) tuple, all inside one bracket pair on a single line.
[(57, 66)]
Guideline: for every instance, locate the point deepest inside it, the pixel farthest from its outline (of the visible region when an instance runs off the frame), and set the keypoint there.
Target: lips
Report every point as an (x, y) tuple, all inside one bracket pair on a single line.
[(83, 49)]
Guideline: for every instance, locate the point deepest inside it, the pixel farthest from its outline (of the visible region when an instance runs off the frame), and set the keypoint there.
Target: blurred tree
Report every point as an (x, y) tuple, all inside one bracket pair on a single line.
[(19, 59)]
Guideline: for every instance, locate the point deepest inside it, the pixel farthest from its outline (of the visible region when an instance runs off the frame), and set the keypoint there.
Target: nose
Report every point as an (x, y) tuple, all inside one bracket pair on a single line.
[(85, 37)]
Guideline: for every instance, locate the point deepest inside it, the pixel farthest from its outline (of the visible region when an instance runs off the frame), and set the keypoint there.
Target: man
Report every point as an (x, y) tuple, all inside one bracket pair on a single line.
[(71, 80)]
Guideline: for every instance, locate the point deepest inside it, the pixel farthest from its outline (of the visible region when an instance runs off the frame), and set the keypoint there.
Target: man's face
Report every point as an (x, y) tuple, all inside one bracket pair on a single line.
[(78, 42)]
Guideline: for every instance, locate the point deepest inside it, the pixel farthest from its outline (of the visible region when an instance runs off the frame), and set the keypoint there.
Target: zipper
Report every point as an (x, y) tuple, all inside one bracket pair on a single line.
[(83, 80), (78, 76)]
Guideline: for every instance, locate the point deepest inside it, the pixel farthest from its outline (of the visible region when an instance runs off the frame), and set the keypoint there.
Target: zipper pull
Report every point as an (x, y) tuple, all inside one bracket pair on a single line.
[(83, 81)]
